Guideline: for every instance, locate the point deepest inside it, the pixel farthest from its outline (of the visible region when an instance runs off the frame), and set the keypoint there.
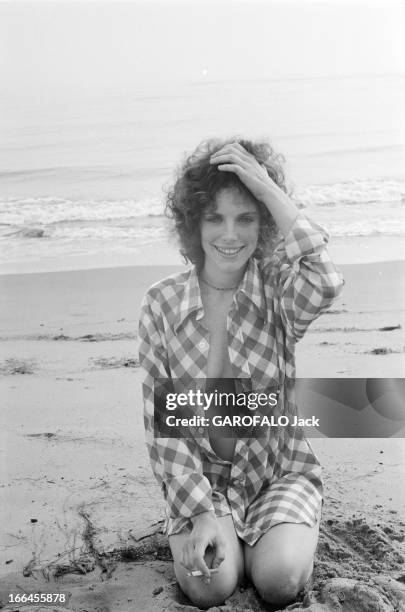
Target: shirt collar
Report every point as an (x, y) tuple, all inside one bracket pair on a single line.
[(251, 287), (190, 301)]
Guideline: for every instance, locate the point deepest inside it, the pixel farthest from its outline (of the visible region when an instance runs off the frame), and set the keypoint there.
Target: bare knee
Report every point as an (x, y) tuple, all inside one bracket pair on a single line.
[(208, 595), (280, 585), (281, 591)]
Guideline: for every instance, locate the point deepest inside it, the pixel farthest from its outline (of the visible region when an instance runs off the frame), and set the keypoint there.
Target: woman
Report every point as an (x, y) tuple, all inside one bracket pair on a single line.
[(239, 505)]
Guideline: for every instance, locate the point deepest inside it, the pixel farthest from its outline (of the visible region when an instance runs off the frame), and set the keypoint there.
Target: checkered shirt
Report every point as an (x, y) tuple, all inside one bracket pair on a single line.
[(275, 477)]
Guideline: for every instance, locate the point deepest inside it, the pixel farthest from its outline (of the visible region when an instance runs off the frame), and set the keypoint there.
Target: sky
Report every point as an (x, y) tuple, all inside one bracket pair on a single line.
[(86, 48)]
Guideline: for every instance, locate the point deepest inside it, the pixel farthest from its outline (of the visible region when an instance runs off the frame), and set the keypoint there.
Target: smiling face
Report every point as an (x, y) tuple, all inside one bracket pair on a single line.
[(229, 235)]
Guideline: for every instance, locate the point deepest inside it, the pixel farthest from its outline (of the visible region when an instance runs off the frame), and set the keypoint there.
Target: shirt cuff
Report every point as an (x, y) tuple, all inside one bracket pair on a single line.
[(188, 495), (304, 237)]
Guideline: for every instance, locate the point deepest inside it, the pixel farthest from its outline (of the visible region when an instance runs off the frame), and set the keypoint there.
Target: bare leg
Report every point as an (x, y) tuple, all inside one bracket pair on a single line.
[(224, 582), (281, 562)]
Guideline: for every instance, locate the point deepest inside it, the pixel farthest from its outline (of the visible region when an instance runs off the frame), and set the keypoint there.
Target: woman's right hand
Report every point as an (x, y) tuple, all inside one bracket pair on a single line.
[(206, 532)]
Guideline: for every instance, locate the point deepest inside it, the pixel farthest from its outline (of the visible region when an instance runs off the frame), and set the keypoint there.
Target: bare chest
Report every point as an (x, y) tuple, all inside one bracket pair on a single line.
[(215, 320), (218, 363)]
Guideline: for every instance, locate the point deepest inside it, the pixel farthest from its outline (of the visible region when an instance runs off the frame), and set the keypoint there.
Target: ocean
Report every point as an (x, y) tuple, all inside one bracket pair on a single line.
[(86, 176)]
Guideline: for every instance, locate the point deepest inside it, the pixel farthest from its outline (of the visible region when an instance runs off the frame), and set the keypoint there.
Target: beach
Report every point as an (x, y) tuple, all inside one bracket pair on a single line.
[(81, 510), (100, 105)]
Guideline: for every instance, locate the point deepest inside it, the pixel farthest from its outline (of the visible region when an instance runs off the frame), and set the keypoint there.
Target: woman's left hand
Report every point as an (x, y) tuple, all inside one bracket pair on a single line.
[(234, 158)]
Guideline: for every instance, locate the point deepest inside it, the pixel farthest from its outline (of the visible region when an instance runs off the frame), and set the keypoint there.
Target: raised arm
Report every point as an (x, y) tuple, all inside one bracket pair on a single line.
[(302, 275)]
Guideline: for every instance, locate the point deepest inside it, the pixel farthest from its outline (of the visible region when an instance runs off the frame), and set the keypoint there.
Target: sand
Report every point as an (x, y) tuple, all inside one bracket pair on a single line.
[(80, 507)]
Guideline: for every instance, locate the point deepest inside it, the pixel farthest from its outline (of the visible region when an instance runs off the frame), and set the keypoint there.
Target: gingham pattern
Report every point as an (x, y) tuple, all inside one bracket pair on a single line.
[(274, 478)]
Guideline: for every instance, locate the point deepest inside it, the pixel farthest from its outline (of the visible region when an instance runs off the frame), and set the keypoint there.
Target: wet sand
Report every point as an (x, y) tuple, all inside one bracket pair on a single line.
[(79, 503)]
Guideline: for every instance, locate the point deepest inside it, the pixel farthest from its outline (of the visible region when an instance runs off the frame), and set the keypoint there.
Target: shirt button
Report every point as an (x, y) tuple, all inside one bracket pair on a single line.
[(203, 345)]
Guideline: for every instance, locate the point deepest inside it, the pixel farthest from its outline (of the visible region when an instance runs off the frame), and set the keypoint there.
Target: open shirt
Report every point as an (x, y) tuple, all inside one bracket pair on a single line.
[(274, 477)]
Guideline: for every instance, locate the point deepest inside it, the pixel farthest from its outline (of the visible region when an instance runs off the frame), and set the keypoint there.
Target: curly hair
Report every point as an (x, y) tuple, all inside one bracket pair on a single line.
[(197, 185)]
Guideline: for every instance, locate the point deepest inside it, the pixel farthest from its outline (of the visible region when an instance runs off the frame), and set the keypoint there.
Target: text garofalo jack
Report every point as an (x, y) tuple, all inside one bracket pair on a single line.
[(223, 411)]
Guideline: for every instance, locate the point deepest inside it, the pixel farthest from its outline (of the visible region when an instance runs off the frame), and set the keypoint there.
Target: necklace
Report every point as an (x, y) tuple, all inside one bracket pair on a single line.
[(218, 288)]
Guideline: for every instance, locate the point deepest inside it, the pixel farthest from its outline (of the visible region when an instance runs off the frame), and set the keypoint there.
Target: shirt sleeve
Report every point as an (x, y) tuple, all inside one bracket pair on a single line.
[(303, 275), (176, 462)]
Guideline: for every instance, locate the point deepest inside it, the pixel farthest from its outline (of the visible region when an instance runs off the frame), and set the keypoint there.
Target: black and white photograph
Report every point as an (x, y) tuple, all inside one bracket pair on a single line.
[(202, 305)]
